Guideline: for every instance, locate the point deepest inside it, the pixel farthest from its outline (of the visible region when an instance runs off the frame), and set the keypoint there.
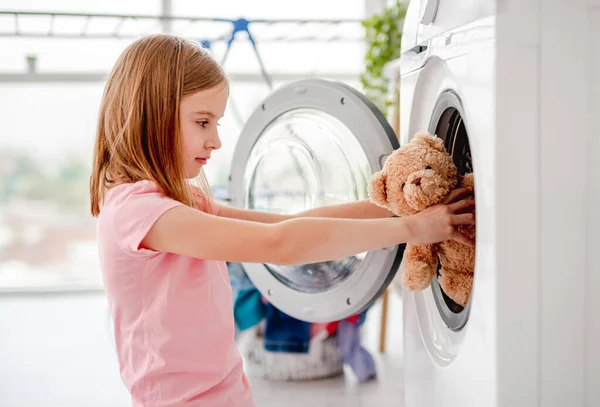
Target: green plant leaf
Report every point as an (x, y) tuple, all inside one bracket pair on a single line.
[(383, 35)]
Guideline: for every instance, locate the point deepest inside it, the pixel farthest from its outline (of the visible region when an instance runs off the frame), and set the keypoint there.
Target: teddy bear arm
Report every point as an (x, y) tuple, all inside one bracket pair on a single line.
[(456, 284), (419, 266), (468, 181)]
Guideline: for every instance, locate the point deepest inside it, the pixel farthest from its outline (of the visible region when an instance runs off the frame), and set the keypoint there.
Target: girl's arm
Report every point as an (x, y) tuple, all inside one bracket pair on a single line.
[(364, 209), (353, 210), (190, 232), (251, 215)]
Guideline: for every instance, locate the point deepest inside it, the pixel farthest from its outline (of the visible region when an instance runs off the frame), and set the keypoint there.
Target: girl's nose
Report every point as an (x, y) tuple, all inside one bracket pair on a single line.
[(214, 143)]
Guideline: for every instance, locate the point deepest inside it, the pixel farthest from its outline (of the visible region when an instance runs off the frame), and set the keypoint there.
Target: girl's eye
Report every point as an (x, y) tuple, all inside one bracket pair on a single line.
[(202, 123)]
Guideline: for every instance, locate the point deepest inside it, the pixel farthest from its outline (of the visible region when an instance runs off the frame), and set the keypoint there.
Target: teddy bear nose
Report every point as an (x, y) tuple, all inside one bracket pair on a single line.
[(416, 181)]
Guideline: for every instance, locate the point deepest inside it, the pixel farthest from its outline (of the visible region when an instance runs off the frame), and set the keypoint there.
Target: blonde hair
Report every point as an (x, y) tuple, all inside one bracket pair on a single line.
[(138, 135)]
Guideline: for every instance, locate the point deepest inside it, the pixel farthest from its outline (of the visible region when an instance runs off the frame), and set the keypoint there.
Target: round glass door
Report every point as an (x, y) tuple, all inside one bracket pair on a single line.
[(304, 159), (311, 144)]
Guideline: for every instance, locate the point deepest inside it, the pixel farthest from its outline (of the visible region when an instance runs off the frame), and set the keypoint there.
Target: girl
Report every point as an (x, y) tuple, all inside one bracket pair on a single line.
[(163, 243)]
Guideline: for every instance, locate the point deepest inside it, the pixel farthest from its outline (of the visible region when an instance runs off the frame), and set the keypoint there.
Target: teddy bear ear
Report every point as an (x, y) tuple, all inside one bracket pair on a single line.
[(377, 189), (429, 141)]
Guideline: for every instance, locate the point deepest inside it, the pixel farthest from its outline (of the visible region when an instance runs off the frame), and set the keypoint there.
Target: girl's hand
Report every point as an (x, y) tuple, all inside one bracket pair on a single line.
[(438, 223)]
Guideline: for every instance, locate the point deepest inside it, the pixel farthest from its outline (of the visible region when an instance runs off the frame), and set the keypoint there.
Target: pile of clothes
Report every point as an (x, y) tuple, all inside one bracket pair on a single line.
[(286, 334)]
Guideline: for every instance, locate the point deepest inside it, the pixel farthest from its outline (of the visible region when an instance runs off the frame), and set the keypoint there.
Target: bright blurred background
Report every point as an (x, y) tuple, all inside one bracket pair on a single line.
[(48, 116)]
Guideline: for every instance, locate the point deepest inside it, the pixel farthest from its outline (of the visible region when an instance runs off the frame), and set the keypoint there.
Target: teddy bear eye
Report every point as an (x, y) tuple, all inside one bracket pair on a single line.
[(427, 167)]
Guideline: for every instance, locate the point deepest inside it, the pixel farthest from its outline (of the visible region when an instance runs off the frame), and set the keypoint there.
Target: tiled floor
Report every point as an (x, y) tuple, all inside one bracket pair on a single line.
[(386, 391)]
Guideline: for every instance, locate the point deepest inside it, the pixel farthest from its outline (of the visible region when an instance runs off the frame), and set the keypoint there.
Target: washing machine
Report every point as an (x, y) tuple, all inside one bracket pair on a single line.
[(314, 143), (511, 88)]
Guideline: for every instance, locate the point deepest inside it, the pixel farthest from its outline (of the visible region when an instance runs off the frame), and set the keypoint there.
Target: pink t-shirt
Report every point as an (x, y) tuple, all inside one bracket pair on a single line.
[(172, 314)]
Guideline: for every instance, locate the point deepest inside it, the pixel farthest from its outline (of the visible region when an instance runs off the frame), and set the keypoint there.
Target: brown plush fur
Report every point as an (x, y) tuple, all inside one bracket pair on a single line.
[(414, 177)]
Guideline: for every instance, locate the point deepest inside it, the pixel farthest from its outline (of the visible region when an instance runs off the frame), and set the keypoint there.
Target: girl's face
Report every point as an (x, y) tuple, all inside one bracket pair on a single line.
[(199, 113)]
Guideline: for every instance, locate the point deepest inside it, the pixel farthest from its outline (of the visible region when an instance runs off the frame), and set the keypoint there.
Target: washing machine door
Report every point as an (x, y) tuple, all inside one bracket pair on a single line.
[(314, 143)]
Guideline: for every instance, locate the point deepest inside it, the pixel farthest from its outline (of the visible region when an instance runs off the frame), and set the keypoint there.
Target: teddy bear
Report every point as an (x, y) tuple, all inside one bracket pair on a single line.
[(414, 177)]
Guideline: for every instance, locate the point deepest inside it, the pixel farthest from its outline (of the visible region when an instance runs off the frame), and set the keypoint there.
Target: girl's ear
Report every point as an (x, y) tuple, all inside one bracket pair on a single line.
[(377, 189)]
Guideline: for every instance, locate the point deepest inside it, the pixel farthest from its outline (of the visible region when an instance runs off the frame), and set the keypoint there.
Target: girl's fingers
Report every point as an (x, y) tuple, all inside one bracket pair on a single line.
[(457, 195), (463, 219), (460, 238), (466, 205)]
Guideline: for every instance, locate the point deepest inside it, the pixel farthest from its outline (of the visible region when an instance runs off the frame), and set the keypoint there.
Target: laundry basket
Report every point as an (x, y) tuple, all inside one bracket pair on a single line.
[(323, 360)]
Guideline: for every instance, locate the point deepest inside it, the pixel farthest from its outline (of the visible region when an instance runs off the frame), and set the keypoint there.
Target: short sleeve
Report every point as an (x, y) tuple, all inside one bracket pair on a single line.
[(132, 209)]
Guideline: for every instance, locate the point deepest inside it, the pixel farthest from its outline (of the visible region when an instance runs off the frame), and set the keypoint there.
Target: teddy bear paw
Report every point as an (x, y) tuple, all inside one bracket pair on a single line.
[(417, 276)]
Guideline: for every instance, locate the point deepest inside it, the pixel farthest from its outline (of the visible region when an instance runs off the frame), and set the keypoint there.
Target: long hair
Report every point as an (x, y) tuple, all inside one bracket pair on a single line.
[(138, 132)]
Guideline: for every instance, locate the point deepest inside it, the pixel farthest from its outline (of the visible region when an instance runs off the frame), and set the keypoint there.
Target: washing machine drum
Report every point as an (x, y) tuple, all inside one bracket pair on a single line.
[(447, 122), (314, 143)]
